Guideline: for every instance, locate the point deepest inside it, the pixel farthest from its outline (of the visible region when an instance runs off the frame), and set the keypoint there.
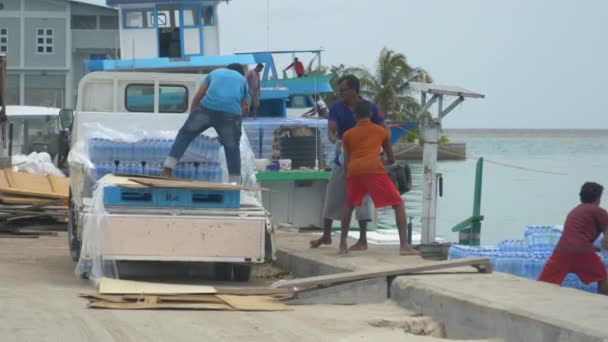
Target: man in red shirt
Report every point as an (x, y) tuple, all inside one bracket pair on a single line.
[(366, 175), (298, 66), (574, 252)]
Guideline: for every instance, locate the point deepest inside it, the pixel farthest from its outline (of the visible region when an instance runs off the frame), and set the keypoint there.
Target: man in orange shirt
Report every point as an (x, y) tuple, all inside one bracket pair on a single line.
[(365, 174)]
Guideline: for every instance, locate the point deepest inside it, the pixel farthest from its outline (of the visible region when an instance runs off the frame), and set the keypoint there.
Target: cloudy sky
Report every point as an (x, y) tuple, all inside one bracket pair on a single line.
[(541, 63)]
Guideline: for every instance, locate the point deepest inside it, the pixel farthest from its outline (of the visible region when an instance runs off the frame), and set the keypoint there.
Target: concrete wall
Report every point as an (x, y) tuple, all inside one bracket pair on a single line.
[(12, 5), (12, 89), (91, 39), (55, 59), (13, 53), (46, 5)]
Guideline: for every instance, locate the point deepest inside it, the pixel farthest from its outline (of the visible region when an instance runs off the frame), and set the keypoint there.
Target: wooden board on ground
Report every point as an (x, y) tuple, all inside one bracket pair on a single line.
[(116, 286), (254, 291), (138, 181), (482, 264), (254, 303), (178, 299), (27, 184), (167, 306)]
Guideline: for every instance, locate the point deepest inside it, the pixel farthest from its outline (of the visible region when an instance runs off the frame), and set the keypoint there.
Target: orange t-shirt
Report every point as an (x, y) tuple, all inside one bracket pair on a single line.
[(364, 143)]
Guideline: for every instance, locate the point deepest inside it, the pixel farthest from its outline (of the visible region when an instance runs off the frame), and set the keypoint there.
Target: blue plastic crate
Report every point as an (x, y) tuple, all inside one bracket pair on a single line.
[(171, 197)]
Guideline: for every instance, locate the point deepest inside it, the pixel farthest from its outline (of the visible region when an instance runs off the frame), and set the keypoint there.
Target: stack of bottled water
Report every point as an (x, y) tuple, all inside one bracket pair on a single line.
[(525, 258), (146, 157)]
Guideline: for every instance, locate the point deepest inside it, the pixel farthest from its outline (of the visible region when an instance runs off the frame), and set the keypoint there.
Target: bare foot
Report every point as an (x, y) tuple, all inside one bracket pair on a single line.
[(408, 251), (323, 240), (343, 248), (359, 246)]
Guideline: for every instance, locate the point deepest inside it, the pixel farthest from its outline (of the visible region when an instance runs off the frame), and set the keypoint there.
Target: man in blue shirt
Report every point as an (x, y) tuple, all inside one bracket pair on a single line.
[(341, 119), (219, 103)]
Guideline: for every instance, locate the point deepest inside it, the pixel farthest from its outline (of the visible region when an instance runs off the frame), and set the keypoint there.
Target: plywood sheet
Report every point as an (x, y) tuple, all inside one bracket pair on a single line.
[(116, 286), (166, 306), (26, 184), (482, 264), (254, 303)]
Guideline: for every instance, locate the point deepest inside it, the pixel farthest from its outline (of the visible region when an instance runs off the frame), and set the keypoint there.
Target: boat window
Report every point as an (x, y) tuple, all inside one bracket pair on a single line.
[(191, 17), (140, 98), (143, 18), (208, 16)]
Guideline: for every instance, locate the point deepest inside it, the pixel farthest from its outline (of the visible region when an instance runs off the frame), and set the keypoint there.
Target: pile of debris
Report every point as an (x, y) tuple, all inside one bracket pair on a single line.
[(136, 295), (31, 199)]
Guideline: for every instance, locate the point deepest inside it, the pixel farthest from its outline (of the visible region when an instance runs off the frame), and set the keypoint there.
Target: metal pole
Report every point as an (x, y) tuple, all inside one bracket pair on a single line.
[(430, 130)]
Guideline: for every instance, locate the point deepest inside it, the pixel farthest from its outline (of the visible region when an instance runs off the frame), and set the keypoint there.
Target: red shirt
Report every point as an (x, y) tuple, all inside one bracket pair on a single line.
[(583, 226), (364, 143), (298, 66)]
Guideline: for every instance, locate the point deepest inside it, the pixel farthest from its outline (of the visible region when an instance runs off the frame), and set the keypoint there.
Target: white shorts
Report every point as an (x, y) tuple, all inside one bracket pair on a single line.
[(335, 198)]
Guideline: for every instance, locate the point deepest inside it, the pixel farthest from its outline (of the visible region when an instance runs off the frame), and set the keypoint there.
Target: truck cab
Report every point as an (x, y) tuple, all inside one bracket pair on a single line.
[(132, 102)]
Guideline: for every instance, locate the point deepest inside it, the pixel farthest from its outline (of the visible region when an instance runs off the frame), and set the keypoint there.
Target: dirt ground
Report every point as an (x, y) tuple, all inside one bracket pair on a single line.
[(39, 302)]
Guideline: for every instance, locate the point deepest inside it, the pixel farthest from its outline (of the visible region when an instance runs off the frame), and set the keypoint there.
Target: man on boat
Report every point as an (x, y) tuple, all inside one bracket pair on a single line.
[(219, 103), (341, 119), (253, 82), (298, 66), (574, 252)]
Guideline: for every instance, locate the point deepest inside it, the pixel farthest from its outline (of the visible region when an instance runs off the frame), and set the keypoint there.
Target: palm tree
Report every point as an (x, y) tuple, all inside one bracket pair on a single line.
[(388, 86)]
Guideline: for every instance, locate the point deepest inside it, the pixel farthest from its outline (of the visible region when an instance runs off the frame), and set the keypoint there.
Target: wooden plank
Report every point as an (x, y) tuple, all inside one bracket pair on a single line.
[(4, 180), (138, 181), (60, 185), (254, 303), (8, 199), (482, 264), (252, 291), (167, 306), (179, 298), (17, 191), (107, 298), (116, 286)]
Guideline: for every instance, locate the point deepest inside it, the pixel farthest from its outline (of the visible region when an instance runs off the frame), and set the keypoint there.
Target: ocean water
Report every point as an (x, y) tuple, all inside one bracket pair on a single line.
[(539, 184)]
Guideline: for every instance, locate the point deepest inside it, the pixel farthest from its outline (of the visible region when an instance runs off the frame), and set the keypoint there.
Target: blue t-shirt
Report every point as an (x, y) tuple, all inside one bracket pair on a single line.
[(345, 118), (227, 88)]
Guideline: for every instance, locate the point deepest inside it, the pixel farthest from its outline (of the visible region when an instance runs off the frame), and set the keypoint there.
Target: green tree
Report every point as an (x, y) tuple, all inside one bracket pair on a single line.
[(388, 85)]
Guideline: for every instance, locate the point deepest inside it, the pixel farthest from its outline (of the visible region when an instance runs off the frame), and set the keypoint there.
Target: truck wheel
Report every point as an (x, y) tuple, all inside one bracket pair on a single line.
[(73, 243), (242, 272), (222, 271)]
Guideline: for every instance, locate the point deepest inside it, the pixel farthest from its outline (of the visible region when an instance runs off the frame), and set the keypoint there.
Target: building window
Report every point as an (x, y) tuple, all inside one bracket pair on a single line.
[(44, 40), (3, 40), (108, 22), (84, 22)]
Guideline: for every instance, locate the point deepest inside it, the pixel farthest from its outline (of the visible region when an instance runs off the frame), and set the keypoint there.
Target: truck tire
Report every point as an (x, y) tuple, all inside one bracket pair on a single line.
[(241, 272), (73, 243)]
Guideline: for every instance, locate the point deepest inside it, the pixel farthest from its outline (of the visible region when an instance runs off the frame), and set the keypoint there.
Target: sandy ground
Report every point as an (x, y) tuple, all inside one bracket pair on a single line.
[(39, 302)]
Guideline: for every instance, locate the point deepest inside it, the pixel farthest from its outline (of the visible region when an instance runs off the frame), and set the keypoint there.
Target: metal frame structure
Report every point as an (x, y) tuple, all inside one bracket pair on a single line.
[(430, 130)]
